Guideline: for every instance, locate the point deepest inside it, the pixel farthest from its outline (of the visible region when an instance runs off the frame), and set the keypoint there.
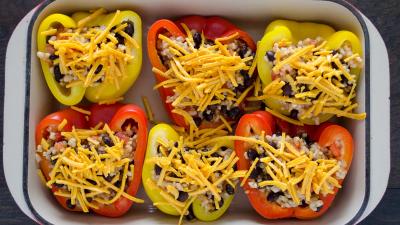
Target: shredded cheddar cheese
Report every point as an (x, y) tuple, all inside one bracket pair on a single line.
[(204, 76), (83, 111), (90, 56), (83, 167), (291, 168), (195, 172), (310, 80)]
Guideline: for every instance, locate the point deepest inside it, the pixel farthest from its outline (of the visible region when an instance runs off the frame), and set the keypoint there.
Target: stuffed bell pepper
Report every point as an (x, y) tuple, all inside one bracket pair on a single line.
[(93, 169), (294, 175), (96, 55), (309, 72), (185, 177), (202, 69)]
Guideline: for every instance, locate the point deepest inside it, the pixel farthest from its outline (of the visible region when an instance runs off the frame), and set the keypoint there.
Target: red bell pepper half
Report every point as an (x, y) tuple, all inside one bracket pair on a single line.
[(117, 116), (212, 28), (327, 135)]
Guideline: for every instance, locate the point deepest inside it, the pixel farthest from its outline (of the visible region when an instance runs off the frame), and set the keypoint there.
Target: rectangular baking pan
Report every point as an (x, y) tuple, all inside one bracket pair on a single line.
[(252, 16)]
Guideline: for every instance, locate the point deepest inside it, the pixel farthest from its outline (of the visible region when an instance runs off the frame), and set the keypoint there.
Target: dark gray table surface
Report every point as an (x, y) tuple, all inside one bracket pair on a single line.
[(385, 14)]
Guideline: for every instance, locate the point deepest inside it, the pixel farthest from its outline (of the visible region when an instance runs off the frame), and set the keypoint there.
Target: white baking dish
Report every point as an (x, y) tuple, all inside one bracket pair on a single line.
[(252, 16)]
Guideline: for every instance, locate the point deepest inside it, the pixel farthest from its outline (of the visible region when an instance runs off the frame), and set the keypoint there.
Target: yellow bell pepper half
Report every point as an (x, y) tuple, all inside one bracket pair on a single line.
[(153, 191), (105, 90), (293, 32)]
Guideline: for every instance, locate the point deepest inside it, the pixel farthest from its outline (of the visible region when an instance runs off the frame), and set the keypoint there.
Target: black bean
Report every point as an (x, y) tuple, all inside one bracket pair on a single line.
[(260, 165), (242, 50), (248, 81), (89, 199), (130, 28), (98, 69), (118, 184), (244, 72), (190, 216), (215, 154), (87, 191), (197, 121), (221, 202), (224, 110), (157, 169), (53, 161), (334, 66), (319, 208), (223, 148), (107, 140), (272, 196), (208, 116), (234, 167), (263, 105), (287, 90), (53, 57), (229, 189), (308, 141), (344, 79), (197, 40), (254, 174), (294, 113), (266, 176), (59, 185), (183, 196), (212, 107), (57, 73), (271, 56), (121, 40), (69, 204), (234, 113), (334, 52), (91, 181), (303, 204), (108, 178), (240, 89), (273, 144), (175, 144), (252, 154), (173, 175)]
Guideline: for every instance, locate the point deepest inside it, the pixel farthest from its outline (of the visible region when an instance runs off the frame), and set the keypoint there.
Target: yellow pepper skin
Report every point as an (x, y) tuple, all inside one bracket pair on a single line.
[(166, 132), (63, 95), (294, 32), (152, 190), (104, 91)]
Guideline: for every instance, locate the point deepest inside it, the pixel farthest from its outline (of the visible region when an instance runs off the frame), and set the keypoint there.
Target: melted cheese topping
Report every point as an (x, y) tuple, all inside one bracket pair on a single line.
[(200, 77), (317, 86), (91, 55), (82, 170), (197, 171)]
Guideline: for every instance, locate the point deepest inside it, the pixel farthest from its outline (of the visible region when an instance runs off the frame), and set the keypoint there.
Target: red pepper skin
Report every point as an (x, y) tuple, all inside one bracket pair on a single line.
[(73, 117), (325, 135), (102, 113), (76, 119), (212, 28)]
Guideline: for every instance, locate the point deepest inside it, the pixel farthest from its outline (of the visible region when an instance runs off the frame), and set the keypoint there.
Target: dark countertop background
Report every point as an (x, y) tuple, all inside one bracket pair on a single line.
[(385, 14)]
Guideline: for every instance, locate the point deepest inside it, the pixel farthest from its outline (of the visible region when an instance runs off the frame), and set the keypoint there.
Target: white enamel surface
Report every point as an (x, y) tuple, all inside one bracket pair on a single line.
[(14, 112), (380, 118), (242, 13)]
